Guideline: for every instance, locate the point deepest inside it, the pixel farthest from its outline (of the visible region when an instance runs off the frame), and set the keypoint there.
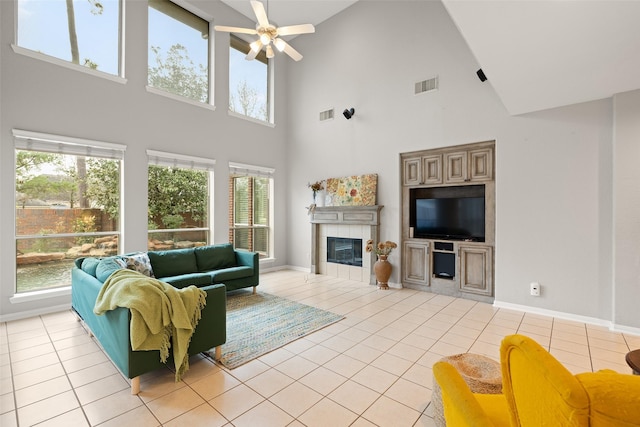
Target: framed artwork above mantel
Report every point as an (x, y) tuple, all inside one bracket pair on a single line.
[(355, 190)]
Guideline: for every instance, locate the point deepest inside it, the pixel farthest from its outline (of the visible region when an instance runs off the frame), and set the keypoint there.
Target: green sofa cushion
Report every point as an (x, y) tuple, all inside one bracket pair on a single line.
[(106, 266), (173, 262), (184, 280), (90, 265), (215, 257), (219, 276)]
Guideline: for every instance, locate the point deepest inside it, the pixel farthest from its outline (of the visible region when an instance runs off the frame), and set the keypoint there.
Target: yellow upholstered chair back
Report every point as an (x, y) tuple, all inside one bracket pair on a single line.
[(462, 408), (614, 398), (539, 390)]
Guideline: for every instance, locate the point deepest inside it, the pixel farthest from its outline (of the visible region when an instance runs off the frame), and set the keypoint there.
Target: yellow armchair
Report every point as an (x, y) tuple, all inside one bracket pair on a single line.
[(538, 391)]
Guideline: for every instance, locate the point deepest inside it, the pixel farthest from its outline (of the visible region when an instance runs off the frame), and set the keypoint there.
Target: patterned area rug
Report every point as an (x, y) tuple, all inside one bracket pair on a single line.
[(260, 323)]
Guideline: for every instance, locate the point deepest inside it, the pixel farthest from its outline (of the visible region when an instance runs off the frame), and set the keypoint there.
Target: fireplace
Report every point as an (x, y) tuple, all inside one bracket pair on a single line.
[(346, 224), (347, 251)]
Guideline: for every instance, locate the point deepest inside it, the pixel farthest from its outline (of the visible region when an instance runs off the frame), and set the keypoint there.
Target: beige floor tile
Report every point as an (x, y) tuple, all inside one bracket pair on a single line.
[(138, 417), (214, 385), (269, 382), (407, 351), (235, 402), (47, 408), (319, 354), (393, 364), (327, 413), (345, 365), (7, 403), (354, 396), (249, 370), (9, 419), (410, 394), (363, 353), (43, 390), (322, 380), (174, 404), (386, 412), (419, 374), (101, 388), (276, 357), (38, 375), (77, 351), (558, 344), (203, 415), (296, 399), (447, 349), (375, 378), (73, 418), (111, 406), (34, 363), (266, 414), (296, 367), (30, 352), (92, 373)]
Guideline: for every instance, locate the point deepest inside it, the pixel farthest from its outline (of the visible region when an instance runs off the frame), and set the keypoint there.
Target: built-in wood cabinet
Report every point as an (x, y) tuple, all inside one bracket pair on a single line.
[(476, 269), (449, 167), (468, 265), (415, 257)]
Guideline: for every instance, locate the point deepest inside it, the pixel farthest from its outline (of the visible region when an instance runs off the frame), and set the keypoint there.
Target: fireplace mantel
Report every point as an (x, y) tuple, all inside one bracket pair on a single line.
[(344, 216)]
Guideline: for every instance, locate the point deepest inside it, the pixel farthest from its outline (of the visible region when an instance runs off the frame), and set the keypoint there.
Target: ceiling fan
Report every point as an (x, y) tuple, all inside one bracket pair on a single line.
[(269, 34)]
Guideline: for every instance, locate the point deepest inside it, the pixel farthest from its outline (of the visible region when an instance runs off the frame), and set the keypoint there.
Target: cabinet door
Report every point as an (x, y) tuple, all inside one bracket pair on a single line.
[(481, 164), (476, 268), (432, 169), (411, 173), (416, 263), (456, 166)]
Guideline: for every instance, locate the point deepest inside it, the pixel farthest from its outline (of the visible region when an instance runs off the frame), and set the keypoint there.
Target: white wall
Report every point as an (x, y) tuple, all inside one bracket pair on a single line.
[(554, 174), (42, 97), (626, 289)]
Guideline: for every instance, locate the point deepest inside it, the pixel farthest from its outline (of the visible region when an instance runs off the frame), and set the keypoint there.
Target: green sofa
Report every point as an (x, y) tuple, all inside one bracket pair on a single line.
[(112, 328)]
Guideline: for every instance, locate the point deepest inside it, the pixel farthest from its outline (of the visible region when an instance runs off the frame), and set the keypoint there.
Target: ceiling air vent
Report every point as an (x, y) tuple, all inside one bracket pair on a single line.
[(326, 115), (426, 85)]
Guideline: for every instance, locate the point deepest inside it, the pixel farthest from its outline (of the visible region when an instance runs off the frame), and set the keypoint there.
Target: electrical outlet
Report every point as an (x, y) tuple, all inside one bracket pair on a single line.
[(535, 289)]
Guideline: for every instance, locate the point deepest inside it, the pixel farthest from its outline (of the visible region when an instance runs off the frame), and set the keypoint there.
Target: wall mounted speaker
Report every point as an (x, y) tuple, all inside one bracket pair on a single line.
[(481, 75)]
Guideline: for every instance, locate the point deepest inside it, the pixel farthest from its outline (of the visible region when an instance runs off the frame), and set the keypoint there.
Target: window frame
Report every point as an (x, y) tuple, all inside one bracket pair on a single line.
[(118, 78), (42, 143), (237, 170), (166, 159), (210, 103), (241, 45)]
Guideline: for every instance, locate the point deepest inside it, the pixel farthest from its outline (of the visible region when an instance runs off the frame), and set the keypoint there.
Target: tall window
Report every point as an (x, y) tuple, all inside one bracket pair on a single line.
[(178, 200), (84, 32), (248, 82), (178, 51), (67, 206), (250, 210)]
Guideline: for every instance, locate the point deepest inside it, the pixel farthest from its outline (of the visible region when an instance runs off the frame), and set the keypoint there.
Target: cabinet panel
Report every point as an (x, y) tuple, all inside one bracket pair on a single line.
[(411, 171), (416, 263), (476, 269), (432, 169), (456, 165), (481, 164)]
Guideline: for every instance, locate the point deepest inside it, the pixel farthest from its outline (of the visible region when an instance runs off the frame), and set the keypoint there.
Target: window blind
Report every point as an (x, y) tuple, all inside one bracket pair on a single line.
[(35, 141), (250, 170), (160, 158)]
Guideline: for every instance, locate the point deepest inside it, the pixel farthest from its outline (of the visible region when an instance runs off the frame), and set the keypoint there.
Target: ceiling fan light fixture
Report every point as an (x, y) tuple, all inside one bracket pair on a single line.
[(270, 53), (279, 44), (265, 39), (256, 46)]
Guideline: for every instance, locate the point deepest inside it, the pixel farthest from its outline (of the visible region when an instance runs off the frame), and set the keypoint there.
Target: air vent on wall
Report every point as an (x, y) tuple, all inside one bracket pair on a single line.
[(326, 115), (426, 85)]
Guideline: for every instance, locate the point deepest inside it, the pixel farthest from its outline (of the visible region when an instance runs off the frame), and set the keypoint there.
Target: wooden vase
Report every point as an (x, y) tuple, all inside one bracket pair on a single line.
[(382, 269)]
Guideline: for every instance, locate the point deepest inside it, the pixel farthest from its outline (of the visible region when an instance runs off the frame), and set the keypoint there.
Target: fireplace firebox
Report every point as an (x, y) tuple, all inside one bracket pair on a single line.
[(344, 251)]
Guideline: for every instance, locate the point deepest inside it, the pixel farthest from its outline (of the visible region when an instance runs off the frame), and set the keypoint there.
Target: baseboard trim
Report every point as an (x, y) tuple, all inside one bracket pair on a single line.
[(568, 316), (32, 313)]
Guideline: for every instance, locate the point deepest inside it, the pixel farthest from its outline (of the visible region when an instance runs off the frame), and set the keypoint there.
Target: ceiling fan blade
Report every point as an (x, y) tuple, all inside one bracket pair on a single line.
[(294, 54), (296, 29), (235, 29), (256, 47), (261, 15)]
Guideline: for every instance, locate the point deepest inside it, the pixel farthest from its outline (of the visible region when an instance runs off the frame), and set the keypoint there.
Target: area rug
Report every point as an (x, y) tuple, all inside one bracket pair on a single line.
[(260, 323)]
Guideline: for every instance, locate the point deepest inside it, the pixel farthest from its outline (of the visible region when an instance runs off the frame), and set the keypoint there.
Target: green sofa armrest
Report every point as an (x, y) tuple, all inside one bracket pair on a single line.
[(248, 259), (212, 328)]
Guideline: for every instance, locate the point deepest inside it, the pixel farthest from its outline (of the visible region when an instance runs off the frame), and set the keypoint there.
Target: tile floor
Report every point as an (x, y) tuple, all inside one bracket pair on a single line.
[(372, 368)]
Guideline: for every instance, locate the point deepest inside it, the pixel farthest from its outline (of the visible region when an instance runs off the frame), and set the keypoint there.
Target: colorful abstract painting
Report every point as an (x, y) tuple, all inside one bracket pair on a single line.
[(357, 190)]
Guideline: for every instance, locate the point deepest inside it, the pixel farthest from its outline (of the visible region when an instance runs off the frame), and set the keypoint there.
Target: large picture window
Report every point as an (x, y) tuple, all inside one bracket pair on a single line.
[(178, 51), (84, 32), (178, 200), (67, 206), (249, 88), (250, 210)]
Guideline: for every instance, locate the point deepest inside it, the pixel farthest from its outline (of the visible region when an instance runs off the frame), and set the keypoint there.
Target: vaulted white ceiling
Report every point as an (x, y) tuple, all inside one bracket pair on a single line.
[(537, 54)]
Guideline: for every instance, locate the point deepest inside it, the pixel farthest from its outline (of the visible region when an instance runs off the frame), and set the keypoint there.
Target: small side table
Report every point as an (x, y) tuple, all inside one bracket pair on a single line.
[(633, 360)]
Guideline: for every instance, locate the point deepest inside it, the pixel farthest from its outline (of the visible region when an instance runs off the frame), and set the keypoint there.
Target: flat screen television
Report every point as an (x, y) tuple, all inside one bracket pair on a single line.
[(448, 213)]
